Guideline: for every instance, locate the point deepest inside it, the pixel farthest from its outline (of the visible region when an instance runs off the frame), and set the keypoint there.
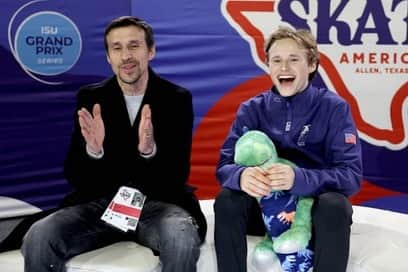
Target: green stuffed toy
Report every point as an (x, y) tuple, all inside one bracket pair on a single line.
[(254, 148)]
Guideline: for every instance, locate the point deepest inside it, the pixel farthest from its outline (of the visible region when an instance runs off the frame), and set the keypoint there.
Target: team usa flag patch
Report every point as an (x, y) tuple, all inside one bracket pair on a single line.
[(350, 138)]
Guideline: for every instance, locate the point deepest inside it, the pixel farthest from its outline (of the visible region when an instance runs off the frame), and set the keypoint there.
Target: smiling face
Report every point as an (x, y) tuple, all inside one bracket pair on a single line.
[(129, 55), (289, 67)]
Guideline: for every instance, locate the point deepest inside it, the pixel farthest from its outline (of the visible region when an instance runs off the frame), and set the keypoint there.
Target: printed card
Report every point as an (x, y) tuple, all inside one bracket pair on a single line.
[(125, 208)]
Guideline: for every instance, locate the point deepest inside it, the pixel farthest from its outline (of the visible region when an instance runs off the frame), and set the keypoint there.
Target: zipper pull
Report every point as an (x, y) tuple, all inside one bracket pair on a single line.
[(288, 125)]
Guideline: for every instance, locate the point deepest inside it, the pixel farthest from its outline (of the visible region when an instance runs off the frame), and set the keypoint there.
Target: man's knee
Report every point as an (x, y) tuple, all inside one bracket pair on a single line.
[(229, 202), (40, 234), (223, 202), (332, 209), (180, 233), (47, 234)]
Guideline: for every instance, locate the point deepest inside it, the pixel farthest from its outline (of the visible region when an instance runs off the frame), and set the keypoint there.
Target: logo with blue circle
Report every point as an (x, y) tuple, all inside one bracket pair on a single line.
[(47, 43)]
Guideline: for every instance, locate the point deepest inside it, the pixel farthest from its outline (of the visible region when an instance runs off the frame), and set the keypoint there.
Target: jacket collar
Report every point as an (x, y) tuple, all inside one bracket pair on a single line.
[(118, 98), (300, 102)]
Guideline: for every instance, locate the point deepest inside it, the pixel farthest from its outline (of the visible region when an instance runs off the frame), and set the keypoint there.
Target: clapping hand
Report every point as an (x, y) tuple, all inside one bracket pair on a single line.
[(92, 128), (146, 137)]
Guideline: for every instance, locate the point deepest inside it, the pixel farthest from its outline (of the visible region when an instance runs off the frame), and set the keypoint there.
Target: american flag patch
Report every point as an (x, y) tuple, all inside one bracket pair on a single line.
[(350, 138)]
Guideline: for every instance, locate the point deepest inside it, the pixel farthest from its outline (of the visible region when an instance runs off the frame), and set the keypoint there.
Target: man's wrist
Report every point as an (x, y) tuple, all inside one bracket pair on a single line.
[(93, 154), (149, 155)]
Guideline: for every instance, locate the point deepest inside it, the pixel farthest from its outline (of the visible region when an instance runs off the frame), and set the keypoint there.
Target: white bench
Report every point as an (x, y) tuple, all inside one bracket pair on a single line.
[(379, 243)]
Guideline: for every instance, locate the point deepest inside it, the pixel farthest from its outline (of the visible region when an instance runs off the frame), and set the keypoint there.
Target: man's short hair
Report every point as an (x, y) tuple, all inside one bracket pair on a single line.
[(125, 21)]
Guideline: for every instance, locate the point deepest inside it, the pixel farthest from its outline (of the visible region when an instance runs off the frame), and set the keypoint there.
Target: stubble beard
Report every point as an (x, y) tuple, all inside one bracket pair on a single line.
[(130, 78)]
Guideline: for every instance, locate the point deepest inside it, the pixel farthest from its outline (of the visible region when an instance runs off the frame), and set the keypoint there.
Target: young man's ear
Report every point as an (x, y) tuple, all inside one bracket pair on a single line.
[(312, 67)]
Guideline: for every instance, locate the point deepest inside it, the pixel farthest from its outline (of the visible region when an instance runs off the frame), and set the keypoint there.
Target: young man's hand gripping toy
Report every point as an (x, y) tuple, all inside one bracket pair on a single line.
[(287, 217)]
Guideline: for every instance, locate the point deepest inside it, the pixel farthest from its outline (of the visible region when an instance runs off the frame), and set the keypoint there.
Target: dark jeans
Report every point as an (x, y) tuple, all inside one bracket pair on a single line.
[(237, 214), (165, 228)]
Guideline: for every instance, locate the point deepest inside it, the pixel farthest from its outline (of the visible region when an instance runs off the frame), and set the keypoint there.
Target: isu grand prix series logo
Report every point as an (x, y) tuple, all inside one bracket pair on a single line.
[(44, 43), (364, 55)]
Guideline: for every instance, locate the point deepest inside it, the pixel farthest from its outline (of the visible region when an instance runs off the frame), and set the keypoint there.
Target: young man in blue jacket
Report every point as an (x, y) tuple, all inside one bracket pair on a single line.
[(311, 127)]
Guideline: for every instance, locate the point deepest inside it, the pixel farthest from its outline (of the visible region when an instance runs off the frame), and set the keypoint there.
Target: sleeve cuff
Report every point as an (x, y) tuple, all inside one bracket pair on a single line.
[(298, 183), (94, 155), (151, 155)]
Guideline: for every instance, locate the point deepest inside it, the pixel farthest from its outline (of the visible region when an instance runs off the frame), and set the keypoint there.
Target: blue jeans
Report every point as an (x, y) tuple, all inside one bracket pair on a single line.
[(165, 228)]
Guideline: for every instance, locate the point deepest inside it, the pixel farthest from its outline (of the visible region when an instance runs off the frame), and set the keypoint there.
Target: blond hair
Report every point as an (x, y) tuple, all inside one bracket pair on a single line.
[(302, 37)]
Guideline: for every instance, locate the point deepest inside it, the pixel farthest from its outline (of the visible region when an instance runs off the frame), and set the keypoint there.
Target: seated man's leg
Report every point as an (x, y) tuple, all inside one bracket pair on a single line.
[(236, 215), (332, 218), (171, 231), (53, 240)]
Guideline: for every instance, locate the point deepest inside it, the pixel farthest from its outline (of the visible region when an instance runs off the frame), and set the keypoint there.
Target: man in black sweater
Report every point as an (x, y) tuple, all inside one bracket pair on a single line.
[(133, 129)]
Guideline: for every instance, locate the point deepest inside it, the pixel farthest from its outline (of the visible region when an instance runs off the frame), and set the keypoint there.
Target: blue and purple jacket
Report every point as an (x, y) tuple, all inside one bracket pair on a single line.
[(314, 129)]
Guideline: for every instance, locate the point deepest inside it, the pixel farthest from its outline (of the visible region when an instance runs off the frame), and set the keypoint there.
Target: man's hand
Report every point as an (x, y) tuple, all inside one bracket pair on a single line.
[(92, 128), (281, 176), (255, 182), (146, 138)]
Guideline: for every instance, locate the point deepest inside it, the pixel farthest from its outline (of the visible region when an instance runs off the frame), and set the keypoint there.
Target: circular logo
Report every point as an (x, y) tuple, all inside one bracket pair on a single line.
[(47, 43)]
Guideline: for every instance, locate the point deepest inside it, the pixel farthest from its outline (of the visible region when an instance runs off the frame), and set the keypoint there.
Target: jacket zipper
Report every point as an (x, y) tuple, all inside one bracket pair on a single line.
[(288, 124)]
